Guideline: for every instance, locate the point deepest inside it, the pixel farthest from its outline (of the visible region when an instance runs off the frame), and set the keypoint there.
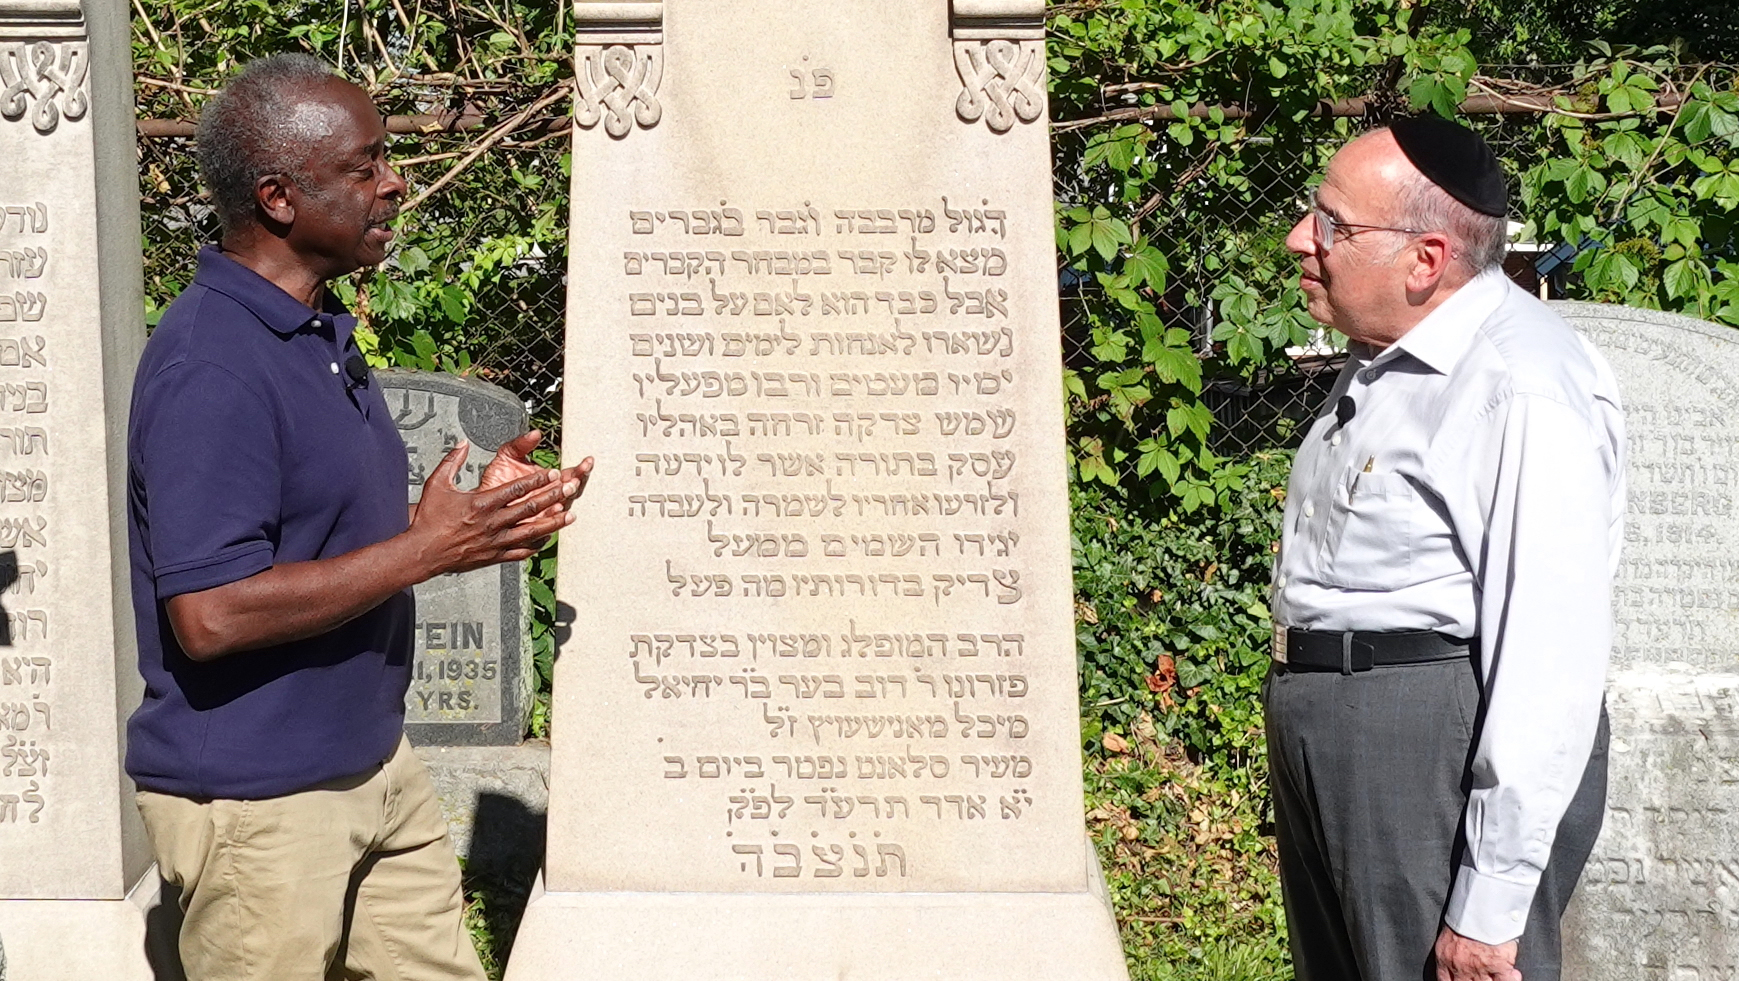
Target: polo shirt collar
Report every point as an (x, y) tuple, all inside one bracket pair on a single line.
[(1447, 332), (278, 310)]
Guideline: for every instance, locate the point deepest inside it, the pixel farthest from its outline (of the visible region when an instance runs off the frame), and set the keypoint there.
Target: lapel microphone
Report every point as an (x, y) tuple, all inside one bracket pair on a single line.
[(357, 370), (1343, 409)]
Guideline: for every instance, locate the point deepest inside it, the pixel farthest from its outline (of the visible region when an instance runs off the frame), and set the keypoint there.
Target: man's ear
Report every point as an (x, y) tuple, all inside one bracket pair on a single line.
[(272, 194), (1431, 255)]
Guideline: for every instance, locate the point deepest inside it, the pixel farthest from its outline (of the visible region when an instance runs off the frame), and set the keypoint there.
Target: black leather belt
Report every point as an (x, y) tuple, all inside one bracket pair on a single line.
[(1353, 651)]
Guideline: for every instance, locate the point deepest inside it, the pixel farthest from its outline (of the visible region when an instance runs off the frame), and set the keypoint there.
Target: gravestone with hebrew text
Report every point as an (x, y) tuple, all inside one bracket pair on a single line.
[(469, 682), (817, 714), (1660, 896), (74, 879)]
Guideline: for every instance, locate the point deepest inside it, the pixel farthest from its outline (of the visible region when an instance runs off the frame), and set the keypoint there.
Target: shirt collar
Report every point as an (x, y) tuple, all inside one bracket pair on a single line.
[(1445, 334), (278, 310)]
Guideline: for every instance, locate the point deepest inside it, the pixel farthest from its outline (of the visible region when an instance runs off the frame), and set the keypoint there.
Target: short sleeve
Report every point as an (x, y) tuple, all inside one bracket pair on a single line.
[(206, 455)]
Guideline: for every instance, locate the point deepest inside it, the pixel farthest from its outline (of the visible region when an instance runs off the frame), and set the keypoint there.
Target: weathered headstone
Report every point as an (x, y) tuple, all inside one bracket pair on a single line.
[(817, 717), (73, 860), (1660, 898), (469, 684)]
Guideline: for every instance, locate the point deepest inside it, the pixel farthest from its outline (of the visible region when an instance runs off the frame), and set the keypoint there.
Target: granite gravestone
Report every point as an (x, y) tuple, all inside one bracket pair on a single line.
[(1660, 897), (74, 866), (817, 717), (470, 682)]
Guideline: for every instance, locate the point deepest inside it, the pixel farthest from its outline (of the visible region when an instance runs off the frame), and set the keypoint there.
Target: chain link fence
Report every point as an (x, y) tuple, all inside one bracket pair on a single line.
[(510, 328)]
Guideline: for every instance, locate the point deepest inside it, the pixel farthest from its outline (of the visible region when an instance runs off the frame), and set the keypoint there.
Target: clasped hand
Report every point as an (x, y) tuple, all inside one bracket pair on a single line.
[(1462, 958), (516, 507)]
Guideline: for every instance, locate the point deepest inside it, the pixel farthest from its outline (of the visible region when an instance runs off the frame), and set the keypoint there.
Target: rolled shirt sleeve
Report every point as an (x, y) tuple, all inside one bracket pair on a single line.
[(1544, 568), (207, 459)]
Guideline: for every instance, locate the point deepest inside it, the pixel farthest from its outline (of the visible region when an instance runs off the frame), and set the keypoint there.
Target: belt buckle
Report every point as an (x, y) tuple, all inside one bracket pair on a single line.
[(1278, 647)]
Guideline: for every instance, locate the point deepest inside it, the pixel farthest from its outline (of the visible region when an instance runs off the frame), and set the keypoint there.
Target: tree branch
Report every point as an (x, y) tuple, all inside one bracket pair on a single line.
[(494, 136)]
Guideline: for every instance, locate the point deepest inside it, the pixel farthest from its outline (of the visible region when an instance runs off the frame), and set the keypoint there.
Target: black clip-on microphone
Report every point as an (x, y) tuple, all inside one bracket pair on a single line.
[(357, 370), (1343, 409)]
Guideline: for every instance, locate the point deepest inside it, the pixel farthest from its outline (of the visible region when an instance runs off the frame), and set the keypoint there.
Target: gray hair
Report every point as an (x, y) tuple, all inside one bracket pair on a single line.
[(1478, 240), (252, 128)]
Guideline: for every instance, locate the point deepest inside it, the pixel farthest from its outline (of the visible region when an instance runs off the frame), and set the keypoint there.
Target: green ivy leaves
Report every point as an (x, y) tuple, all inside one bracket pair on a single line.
[(1648, 185)]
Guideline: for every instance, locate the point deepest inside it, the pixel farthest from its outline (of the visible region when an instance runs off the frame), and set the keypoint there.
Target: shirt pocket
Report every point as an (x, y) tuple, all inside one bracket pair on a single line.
[(1372, 545)]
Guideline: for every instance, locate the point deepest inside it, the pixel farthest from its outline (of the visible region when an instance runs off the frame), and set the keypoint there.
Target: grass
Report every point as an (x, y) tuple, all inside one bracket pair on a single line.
[(1189, 857), (492, 912)]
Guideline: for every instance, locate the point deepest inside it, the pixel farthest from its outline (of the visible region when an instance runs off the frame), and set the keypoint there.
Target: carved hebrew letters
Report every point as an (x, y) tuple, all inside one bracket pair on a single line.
[(842, 459), (618, 84), (1002, 82), (50, 75), (1656, 898), (825, 592), (44, 87)]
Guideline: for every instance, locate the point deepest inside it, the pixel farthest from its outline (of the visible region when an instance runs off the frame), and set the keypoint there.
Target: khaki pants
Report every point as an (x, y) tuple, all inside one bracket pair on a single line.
[(351, 879)]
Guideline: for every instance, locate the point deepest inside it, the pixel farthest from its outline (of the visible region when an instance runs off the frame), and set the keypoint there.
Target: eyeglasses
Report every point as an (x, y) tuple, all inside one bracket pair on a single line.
[(1328, 226)]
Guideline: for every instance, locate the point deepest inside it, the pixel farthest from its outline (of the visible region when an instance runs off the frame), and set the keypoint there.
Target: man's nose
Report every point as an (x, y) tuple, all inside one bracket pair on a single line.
[(1302, 238), (394, 187)]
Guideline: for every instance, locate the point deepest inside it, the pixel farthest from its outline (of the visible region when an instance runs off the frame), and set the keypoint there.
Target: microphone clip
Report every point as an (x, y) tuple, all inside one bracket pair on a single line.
[(1344, 409), (356, 370)]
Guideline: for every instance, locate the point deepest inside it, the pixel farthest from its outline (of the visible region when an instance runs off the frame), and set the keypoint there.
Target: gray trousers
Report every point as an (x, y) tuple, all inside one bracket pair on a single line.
[(1369, 777)]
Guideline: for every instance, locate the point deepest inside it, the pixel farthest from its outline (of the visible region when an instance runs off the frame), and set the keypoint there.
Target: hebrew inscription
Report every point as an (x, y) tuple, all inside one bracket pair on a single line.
[(819, 581), (817, 409), (29, 741), (1656, 899), (823, 428), (1674, 599)]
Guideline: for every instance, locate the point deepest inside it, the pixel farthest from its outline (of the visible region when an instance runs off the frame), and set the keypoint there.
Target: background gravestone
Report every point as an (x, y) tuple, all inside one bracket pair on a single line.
[(818, 714), (74, 888), (1660, 897), (471, 678)]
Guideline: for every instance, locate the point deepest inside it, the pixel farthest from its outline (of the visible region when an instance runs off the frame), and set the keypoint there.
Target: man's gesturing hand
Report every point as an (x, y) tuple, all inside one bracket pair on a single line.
[(1460, 958), (513, 461), (457, 531)]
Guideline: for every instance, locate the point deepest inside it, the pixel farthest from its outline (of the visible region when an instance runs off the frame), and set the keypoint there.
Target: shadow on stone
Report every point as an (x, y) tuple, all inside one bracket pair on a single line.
[(565, 615), (507, 844)]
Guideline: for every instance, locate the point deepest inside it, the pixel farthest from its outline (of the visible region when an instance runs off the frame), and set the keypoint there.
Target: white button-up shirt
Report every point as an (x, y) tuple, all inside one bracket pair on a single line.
[(1477, 489)]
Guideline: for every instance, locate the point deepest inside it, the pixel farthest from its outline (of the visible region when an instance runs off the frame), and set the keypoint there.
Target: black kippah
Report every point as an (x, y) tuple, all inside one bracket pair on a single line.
[(1456, 159)]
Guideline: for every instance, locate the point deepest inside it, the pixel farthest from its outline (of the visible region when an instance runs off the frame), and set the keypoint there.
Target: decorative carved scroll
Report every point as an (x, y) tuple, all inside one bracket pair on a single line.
[(1001, 82), (619, 61), (50, 74), (618, 85), (999, 51)]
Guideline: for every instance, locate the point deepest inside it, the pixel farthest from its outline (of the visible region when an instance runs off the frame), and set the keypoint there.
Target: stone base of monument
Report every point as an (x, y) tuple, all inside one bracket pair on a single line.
[(1010, 936), (1657, 899), (131, 939)]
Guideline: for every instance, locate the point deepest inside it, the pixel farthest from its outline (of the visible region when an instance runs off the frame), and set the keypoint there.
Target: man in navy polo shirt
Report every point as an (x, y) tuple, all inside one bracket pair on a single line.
[(272, 559)]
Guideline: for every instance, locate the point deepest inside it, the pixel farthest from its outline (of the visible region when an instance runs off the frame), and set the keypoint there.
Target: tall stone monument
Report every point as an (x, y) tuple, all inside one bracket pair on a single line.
[(73, 860), (1660, 898), (470, 680), (817, 717)]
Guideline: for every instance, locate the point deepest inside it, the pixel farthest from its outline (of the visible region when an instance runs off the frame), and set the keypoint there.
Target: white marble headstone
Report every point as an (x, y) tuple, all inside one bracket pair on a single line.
[(72, 849), (471, 661), (819, 703), (1659, 900)]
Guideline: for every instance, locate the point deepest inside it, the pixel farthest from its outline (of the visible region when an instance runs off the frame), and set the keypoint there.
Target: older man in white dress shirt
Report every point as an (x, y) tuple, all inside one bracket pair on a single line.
[(1442, 595)]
